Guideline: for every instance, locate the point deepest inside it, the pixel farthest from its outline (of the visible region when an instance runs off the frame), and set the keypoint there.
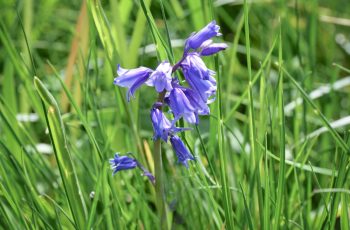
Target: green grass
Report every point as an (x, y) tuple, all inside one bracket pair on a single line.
[(257, 166)]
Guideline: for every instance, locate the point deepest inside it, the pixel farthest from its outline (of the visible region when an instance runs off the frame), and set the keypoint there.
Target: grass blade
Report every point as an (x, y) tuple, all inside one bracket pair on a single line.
[(223, 158), (248, 214), (325, 121), (282, 143), (63, 156)]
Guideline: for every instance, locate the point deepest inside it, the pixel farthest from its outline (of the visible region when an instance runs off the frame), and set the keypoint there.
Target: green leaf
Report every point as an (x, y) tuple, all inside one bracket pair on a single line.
[(63, 156)]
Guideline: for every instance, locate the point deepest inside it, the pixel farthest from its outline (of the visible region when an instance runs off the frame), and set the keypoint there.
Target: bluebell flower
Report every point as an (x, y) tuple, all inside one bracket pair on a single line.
[(119, 163), (205, 88), (132, 78), (197, 39), (195, 66), (210, 48), (162, 127), (182, 153), (160, 123), (161, 77), (197, 102), (181, 106)]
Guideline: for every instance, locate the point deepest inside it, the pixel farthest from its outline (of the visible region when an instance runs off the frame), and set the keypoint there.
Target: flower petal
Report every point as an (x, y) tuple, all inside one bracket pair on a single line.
[(162, 127), (180, 105), (195, 66), (161, 77), (204, 88), (161, 124), (119, 163), (137, 84), (197, 102), (181, 151), (197, 39), (132, 78), (213, 48)]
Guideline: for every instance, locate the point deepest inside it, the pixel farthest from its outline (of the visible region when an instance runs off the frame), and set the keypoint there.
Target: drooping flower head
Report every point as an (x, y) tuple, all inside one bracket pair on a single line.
[(196, 67), (181, 106), (161, 77), (197, 39), (205, 88), (199, 77), (132, 78), (200, 105), (162, 127), (209, 48), (188, 103), (181, 151), (119, 163)]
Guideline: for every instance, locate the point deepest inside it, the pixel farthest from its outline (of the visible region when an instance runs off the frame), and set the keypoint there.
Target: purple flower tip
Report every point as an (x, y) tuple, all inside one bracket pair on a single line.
[(181, 105), (119, 163), (132, 78), (181, 151), (197, 39), (195, 66), (162, 126), (212, 48)]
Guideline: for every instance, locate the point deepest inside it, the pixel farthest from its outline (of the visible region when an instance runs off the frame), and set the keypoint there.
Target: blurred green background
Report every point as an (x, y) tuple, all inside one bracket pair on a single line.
[(54, 171)]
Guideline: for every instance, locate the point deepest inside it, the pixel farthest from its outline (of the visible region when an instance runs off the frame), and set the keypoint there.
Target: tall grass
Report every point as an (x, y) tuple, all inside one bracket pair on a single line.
[(258, 165)]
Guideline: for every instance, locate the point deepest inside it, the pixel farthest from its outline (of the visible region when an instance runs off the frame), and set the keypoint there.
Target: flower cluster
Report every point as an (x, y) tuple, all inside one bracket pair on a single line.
[(185, 101)]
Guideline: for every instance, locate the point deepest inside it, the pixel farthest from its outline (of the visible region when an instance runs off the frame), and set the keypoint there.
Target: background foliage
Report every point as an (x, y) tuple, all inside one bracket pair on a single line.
[(283, 97)]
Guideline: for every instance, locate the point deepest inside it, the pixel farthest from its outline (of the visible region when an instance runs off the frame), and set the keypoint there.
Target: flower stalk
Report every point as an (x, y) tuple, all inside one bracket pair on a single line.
[(160, 198), (158, 171)]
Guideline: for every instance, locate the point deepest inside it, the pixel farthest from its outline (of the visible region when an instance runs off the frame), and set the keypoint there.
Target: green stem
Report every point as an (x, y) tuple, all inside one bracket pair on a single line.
[(158, 166), (160, 198)]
